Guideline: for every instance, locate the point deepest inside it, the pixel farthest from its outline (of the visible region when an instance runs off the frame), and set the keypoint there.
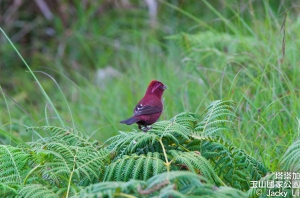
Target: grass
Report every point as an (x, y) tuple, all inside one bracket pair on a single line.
[(234, 54)]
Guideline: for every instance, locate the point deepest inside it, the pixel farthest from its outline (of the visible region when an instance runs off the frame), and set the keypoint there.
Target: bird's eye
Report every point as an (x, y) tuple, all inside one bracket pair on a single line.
[(139, 106)]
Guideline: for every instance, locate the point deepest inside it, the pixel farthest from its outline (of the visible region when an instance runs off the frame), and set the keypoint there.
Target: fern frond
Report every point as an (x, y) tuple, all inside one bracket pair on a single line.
[(227, 192), (134, 167), (209, 191), (232, 165), (37, 191), (219, 115), (13, 167), (62, 162), (126, 144), (170, 191), (149, 162), (157, 166), (111, 189), (114, 141), (291, 159), (186, 119), (66, 161), (169, 184), (12, 163), (194, 162), (9, 190), (68, 136), (57, 161), (180, 178), (170, 131)]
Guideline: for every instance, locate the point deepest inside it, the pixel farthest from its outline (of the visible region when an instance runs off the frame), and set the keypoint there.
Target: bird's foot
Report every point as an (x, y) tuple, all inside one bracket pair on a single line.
[(146, 128)]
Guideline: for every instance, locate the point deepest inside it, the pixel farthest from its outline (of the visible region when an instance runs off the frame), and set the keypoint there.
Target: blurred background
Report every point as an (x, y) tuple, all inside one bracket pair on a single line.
[(94, 60)]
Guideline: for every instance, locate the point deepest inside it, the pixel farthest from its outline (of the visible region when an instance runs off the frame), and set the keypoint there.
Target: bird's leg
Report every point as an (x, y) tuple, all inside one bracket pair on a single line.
[(146, 128), (143, 128)]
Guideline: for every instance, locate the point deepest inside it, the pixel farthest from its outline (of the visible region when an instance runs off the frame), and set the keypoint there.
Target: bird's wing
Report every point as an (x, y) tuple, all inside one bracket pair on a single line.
[(146, 110)]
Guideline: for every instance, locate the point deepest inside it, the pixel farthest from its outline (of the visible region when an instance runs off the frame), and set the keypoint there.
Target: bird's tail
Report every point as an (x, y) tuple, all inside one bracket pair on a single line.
[(130, 121)]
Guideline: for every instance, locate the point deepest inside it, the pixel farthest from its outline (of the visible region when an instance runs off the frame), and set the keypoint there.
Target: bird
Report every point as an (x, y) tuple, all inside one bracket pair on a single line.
[(149, 108)]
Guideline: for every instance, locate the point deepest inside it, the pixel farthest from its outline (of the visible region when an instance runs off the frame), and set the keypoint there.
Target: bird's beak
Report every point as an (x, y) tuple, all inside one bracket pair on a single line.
[(165, 87)]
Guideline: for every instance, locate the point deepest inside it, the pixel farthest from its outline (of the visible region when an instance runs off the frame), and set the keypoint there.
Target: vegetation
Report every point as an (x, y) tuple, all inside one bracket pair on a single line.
[(67, 81), (144, 164)]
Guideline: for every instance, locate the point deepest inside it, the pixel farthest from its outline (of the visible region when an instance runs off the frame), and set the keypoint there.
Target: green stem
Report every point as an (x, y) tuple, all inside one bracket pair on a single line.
[(184, 148), (165, 154), (71, 175), (124, 195), (30, 173)]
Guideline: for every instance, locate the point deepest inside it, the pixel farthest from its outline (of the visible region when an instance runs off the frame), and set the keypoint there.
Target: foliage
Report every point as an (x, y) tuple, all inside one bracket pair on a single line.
[(175, 157), (243, 50), (60, 163), (174, 184), (290, 160), (286, 180), (218, 119)]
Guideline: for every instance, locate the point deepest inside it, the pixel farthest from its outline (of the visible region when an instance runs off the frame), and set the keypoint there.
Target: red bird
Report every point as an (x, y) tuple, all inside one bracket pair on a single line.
[(149, 108)]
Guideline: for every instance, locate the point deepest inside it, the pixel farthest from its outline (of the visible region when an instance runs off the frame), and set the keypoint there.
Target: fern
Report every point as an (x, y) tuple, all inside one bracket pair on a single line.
[(196, 163), (111, 189), (134, 167), (168, 184), (170, 131), (187, 120), (188, 147), (133, 142), (219, 114), (184, 156), (13, 168), (69, 136), (290, 160), (37, 191), (233, 165), (63, 161), (164, 135)]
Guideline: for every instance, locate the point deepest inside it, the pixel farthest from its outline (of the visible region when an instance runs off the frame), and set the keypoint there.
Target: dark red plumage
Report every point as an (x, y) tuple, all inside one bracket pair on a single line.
[(150, 107)]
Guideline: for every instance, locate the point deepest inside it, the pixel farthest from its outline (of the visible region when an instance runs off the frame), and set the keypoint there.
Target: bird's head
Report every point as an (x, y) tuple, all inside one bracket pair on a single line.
[(157, 88)]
